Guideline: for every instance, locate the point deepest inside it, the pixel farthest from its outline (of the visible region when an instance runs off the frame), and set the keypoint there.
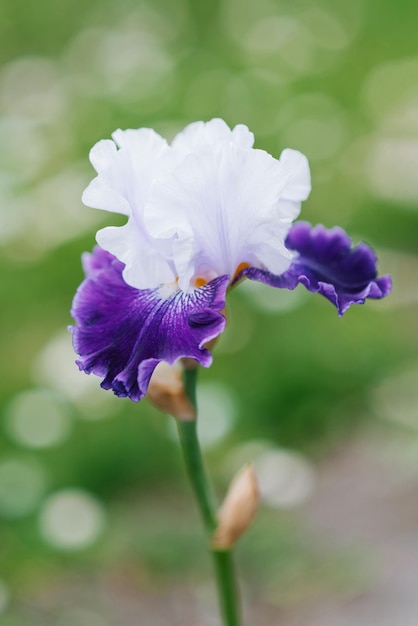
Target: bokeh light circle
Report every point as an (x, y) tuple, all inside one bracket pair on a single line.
[(395, 399), (71, 519), (55, 367), (217, 412), (285, 478), (22, 485), (37, 418)]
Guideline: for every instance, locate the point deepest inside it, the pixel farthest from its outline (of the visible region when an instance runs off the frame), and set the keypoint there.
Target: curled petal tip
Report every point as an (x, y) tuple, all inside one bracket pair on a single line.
[(326, 263)]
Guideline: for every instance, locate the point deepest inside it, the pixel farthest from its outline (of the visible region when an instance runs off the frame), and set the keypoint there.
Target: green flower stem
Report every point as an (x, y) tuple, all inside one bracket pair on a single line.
[(196, 473), (224, 568), (227, 587)]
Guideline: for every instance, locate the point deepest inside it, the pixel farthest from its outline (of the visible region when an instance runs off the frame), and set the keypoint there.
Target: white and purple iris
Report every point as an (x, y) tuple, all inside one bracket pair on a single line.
[(203, 213)]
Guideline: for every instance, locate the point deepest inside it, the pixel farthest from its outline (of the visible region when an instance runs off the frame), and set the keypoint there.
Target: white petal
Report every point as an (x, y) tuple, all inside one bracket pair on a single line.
[(288, 209), (102, 154), (125, 175), (146, 265), (143, 144), (101, 196), (200, 135), (225, 204), (199, 208), (273, 255), (296, 166), (243, 137)]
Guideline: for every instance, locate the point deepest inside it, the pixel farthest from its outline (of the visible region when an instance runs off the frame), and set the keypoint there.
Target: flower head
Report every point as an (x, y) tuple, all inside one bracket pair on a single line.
[(202, 213), (199, 208)]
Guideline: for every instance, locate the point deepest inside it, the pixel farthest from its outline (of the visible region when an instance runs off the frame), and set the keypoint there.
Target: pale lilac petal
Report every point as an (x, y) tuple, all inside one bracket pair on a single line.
[(296, 167), (298, 183), (199, 136), (198, 209), (122, 333), (227, 212), (326, 263), (102, 155), (125, 175), (146, 261)]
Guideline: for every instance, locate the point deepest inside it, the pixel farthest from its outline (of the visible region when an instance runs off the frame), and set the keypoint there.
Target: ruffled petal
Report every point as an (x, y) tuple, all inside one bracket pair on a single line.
[(298, 184), (125, 175), (146, 261), (327, 264), (197, 209), (122, 333), (225, 206), (199, 136)]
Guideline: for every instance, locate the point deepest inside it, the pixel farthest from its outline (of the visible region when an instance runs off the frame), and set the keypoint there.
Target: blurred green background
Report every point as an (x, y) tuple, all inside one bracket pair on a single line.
[(97, 525)]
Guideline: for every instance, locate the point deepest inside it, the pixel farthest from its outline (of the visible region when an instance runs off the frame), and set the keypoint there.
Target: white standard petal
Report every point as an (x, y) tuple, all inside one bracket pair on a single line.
[(99, 196), (125, 176), (203, 207), (104, 191), (102, 154), (146, 262), (213, 134), (298, 184), (226, 205)]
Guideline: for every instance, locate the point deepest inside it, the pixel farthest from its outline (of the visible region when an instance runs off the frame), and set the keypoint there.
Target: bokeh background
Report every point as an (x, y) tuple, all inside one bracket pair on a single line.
[(97, 524)]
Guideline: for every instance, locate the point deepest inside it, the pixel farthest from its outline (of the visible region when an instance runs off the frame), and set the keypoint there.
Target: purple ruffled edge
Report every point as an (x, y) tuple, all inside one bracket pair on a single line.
[(327, 264), (122, 333)]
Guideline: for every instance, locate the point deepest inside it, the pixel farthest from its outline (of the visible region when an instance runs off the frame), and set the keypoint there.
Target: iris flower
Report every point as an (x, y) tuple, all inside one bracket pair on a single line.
[(202, 214)]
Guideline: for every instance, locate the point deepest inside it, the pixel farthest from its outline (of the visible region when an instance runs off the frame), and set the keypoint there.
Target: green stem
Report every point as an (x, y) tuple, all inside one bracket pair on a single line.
[(224, 568), (227, 588), (196, 473)]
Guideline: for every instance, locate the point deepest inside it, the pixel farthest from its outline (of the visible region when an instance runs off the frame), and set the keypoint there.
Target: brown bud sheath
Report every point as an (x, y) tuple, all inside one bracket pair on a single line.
[(166, 391), (237, 510)]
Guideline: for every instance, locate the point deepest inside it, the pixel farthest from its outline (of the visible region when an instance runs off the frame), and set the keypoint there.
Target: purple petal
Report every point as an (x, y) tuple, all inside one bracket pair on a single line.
[(122, 333), (327, 264)]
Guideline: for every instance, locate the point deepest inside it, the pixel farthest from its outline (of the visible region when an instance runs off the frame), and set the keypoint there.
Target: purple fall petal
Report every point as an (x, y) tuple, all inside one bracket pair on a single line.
[(122, 333), (327, 264)]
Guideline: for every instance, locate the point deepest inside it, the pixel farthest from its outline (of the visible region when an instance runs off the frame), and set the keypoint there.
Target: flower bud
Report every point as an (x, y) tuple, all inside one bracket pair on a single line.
[(167, 392), (237, 510)]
